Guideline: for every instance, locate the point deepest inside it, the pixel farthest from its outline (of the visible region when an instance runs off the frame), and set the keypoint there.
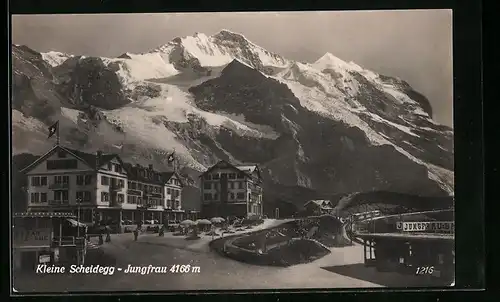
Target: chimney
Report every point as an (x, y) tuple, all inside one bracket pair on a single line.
[(98, 156)]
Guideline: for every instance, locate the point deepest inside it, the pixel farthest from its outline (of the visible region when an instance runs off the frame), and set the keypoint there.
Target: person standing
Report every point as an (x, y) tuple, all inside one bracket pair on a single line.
[(136, 233)]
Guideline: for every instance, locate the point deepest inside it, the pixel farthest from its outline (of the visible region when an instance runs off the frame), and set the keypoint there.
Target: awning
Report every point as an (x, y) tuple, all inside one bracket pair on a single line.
[(43, 214), (75, 223)]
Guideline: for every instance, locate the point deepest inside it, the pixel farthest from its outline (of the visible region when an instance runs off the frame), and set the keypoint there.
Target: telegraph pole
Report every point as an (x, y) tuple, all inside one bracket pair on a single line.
[(78, 200)]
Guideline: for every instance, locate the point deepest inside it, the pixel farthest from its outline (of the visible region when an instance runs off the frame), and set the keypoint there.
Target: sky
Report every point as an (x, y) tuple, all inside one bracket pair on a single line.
[(415, 45)]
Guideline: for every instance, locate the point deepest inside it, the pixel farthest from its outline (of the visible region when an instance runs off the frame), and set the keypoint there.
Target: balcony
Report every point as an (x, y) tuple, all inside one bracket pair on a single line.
[(146, 206), (59, 202), (134, 192), (157, 195), (115, 187), (58, 186)]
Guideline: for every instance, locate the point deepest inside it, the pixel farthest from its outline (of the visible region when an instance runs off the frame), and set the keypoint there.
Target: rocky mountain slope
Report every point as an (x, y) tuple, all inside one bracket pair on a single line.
[(330, 127)]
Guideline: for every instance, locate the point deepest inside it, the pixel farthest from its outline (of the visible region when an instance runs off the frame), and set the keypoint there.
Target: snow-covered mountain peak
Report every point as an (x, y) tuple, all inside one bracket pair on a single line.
[(329, 61), (219, 50), (55, 58)]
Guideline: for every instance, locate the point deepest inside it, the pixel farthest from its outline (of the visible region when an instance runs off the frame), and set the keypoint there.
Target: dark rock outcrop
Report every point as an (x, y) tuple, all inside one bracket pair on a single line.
[(329, 156)]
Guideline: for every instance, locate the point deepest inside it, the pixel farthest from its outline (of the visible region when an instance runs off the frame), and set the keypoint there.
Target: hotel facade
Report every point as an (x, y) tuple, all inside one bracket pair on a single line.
[(101, 187), (229, 190)]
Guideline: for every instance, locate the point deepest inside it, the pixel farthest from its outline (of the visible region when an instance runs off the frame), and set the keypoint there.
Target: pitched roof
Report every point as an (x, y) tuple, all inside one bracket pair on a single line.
[(167, 175), (247, 170), (88, 158), (143, 174)]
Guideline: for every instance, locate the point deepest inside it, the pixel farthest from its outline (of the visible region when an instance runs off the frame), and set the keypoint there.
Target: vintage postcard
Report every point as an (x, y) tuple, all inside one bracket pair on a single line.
[(232, 151)]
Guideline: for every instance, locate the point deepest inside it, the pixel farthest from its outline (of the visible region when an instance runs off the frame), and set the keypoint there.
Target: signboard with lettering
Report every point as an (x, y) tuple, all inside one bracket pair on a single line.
[(427, 226), (39, 237), (44, 258)]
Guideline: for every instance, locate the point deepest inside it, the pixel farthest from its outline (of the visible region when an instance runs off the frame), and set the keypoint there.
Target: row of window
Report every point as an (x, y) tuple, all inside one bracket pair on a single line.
[(106, 181), (105, 196), (230, 185), (85, 196), (231, 196), (134, 185), (175, 193), (38, 197), (216, 176), (41, 181), (62, 196), (132, 199)]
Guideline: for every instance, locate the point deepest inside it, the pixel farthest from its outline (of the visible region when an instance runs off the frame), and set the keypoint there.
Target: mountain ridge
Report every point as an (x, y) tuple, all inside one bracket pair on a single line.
[(314, 125)]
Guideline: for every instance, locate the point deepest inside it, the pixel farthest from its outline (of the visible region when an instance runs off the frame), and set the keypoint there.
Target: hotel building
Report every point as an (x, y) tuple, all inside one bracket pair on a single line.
[(229, 190), (101, 187)]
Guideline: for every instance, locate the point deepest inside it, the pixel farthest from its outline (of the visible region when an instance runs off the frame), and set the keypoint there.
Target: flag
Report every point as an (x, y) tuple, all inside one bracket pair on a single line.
[(170, 157), (53, 129)]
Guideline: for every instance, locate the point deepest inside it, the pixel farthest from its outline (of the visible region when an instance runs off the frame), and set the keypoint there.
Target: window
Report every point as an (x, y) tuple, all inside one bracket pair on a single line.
[(139, 186), (249, 196), (104, 180), (35, 181), (231, 196), (207, 176), (35, 197), (88, 179), (231, 185), (231, 175), (110, 166), (241, 175), (216, 176), (207, 186), (240, 196), (79, 180), (120, 198), (83, 196), (104, 196), (207, 196), (43, 197), (43, 180), (240, 185), (249, 208), (168, 190), (62, 164), (61, 179), (118, 168), (216, 196), (61, 196)]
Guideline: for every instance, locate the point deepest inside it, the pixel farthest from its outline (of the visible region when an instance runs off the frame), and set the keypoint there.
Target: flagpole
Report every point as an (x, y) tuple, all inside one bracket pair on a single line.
[(57, 133)]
